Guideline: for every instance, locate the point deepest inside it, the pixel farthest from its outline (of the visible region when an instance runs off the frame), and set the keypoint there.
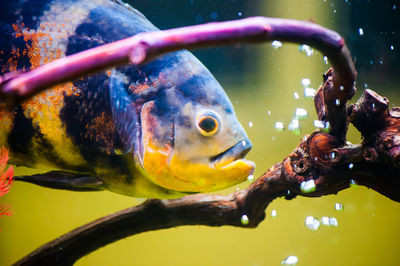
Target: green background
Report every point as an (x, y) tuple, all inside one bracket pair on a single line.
[(257, 79)]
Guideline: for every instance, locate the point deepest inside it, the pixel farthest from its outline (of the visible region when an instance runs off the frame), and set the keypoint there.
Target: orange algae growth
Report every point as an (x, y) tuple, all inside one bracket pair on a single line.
[(6, 180)]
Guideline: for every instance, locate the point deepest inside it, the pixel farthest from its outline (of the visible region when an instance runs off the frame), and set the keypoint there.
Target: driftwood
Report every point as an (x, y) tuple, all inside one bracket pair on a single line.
[(322, 158)]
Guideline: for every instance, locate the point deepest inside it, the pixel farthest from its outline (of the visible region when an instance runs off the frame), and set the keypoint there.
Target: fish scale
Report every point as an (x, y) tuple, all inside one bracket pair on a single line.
[(122, 129)]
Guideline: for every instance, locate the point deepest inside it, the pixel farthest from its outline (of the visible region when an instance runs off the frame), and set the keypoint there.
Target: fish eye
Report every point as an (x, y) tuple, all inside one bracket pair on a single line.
[(208, 123)]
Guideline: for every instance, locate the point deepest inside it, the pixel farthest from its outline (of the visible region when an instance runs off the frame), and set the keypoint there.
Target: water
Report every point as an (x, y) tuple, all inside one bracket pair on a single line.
[(51, 213)]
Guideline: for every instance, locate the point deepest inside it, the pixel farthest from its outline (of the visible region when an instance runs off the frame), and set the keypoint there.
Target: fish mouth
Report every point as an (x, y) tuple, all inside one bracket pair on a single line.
[(233, 155)]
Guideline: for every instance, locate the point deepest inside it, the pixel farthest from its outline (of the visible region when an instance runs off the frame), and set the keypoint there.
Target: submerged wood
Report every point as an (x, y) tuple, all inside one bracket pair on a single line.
[(323, 157)]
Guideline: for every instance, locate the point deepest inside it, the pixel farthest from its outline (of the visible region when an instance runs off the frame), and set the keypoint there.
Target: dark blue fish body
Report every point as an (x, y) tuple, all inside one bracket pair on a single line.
[(159, 130)]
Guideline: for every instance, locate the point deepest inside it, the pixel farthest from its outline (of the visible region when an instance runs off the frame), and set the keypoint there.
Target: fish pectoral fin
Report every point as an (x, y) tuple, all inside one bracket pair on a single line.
[(123, 110), (64, 180)]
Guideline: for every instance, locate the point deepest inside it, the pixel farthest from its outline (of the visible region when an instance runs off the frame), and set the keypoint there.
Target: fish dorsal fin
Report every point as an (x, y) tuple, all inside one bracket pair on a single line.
[(124, 112)]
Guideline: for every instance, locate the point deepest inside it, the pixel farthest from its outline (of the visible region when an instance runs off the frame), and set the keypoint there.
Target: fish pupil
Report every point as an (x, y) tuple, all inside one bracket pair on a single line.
[(208, 124)]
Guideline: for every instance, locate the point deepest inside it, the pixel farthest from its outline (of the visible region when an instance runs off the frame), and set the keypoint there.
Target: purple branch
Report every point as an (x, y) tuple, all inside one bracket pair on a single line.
[(144, 47)]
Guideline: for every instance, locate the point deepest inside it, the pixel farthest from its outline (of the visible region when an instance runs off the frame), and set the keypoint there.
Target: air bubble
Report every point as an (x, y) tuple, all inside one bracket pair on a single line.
[(391, 47), (296, 95), (291, 260), (305, 82), (301, 114), (361, 31), (325, 60), (338, 206), (337, 102), (319, 124), (250, 124), (351, 165), (325, 220), (294, 127), (273, 213), (276, 44), (279, 126), (312, 223), (306, 49), (214, 15), (353, 183), (308, 186), (333, 221), (341, 88), (309, 92), (239, 14), (244, 219), (250, 178)]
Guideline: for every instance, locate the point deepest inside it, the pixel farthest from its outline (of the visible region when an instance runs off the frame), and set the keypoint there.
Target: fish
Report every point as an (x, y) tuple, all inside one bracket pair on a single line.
[(161, 130)]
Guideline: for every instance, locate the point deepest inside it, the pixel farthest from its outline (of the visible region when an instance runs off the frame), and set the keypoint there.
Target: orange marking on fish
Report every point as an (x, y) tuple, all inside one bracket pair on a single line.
[(138, 88), (102, 129)]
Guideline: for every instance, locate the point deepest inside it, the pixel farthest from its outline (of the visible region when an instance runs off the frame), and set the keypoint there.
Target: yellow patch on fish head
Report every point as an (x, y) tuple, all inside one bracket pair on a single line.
[(205, 152)]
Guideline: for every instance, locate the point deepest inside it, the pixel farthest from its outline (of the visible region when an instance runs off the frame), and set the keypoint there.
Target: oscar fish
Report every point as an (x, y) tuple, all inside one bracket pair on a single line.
[(161, 130)]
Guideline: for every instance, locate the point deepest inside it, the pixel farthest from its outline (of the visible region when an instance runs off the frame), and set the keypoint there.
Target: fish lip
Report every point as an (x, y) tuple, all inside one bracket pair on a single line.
[(237, 151)]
